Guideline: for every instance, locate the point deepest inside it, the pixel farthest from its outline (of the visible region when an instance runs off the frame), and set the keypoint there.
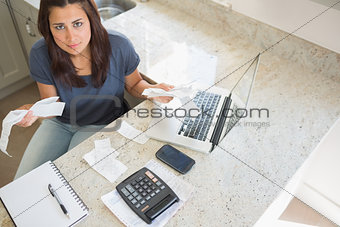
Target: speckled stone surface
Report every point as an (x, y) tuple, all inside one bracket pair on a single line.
[(315, 58), (238, 181)]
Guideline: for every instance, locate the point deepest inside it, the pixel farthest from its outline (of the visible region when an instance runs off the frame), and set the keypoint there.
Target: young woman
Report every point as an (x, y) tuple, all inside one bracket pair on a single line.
[(88, 68)]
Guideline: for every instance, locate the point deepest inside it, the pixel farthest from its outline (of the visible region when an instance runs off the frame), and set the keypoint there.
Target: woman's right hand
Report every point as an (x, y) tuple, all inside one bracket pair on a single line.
[(29, 119)]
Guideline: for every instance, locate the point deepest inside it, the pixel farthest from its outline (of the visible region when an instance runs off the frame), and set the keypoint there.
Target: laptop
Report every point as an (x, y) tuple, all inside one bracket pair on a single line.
[(220, 109)]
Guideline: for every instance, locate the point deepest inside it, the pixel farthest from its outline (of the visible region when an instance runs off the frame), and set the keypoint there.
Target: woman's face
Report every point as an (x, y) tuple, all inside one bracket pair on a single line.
[(71, 29)]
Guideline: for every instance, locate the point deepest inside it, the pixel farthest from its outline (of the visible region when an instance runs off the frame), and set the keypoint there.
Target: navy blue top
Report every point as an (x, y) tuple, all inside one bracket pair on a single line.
[(90, 105)]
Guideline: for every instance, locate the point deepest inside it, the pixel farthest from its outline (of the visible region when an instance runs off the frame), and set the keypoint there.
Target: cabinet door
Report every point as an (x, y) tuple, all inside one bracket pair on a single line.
[(27, 23), (27, 30), (13, 66)]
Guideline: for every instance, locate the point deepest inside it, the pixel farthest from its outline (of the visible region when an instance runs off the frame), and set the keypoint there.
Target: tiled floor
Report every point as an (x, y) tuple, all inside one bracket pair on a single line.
[(19, 137)]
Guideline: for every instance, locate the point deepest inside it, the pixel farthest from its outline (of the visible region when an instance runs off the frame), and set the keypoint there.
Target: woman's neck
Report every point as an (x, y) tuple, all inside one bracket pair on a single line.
[(82, 62)]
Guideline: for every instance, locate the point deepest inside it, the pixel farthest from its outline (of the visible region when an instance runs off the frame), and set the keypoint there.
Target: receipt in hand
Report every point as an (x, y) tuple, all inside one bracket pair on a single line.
[(179, 91), (43, 108), (183, 94)]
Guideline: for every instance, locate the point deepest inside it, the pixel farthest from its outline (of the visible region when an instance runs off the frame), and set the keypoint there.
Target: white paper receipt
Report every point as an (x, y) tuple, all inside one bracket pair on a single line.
[(102, 159), (182, 189), (43, 108), (182, 93), (131, 133), (179, 91)]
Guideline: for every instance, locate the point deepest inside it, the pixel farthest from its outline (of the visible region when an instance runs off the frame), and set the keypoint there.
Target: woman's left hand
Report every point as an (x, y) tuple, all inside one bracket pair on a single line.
[(166, 87)]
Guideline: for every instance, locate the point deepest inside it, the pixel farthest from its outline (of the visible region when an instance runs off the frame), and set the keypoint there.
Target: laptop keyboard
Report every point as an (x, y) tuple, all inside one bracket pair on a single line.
[(198, 127)]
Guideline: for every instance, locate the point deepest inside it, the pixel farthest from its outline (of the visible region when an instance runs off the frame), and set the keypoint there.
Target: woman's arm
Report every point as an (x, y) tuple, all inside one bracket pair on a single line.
[(135, 85), (45, 91)]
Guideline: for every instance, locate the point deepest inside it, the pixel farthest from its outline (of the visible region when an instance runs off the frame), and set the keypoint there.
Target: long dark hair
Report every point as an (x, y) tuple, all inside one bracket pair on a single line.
[(62, 67)]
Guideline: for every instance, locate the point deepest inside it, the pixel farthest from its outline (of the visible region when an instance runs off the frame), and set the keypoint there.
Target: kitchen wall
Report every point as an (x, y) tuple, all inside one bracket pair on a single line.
[(288, 15)]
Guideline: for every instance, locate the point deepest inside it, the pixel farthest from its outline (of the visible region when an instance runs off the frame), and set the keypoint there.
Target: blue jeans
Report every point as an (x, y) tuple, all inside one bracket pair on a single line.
[(51, 140)]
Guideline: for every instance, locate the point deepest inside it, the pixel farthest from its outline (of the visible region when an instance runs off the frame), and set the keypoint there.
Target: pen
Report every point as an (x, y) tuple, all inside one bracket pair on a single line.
[(55, 195)]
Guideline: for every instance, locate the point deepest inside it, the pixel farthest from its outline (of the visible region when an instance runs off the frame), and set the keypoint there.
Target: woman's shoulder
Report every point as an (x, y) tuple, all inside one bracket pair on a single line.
[(117, 39), (39, 48)]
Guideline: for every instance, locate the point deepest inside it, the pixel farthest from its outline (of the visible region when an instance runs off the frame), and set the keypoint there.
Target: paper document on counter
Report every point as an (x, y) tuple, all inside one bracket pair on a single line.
[(131, 133), (43, 108), (103, 147), (102, 159), (117, 205)]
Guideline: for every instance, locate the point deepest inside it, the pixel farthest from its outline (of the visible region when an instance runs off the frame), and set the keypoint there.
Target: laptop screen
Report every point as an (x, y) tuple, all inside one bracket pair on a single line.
[(240, 94)]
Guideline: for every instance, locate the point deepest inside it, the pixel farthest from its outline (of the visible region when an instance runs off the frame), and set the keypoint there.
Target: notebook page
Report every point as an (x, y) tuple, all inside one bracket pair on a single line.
[(30, 203)]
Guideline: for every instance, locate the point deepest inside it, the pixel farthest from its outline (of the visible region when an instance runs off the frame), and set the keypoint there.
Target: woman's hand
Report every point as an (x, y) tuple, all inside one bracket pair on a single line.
[(29, 119), (166, 87), (135, 85)]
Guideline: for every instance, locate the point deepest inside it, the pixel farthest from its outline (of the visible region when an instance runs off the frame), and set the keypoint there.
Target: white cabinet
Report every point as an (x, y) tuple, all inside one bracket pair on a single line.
[(18, 32), (26, 18), (13, 66)]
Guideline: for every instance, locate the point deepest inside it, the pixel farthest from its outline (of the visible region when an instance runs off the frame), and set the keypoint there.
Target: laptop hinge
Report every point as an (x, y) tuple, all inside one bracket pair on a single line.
[(222, 117)]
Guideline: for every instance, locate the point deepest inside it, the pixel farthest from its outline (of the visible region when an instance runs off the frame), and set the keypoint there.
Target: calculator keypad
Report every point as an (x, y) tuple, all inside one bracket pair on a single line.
[(142, 189), (146, 194)]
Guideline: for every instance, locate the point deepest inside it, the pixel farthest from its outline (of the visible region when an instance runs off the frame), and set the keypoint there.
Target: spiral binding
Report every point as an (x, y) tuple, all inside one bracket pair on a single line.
[(69, 187)]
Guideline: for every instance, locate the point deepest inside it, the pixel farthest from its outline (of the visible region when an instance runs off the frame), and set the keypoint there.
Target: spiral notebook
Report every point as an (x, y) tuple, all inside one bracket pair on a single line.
[(29, 202)]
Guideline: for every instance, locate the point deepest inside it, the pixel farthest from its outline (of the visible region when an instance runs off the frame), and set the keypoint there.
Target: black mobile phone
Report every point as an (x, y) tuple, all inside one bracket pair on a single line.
[(175, 158)]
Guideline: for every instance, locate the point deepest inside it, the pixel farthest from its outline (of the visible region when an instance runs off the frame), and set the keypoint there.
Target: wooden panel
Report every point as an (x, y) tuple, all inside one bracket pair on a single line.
[(301, 213)]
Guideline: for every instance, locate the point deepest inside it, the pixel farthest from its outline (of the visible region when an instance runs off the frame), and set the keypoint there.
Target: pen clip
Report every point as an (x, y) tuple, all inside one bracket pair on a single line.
[(50, 189), (55, 195)]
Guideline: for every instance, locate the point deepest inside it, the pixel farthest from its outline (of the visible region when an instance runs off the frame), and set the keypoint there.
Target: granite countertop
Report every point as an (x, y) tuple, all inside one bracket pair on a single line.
[(237, 182)]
